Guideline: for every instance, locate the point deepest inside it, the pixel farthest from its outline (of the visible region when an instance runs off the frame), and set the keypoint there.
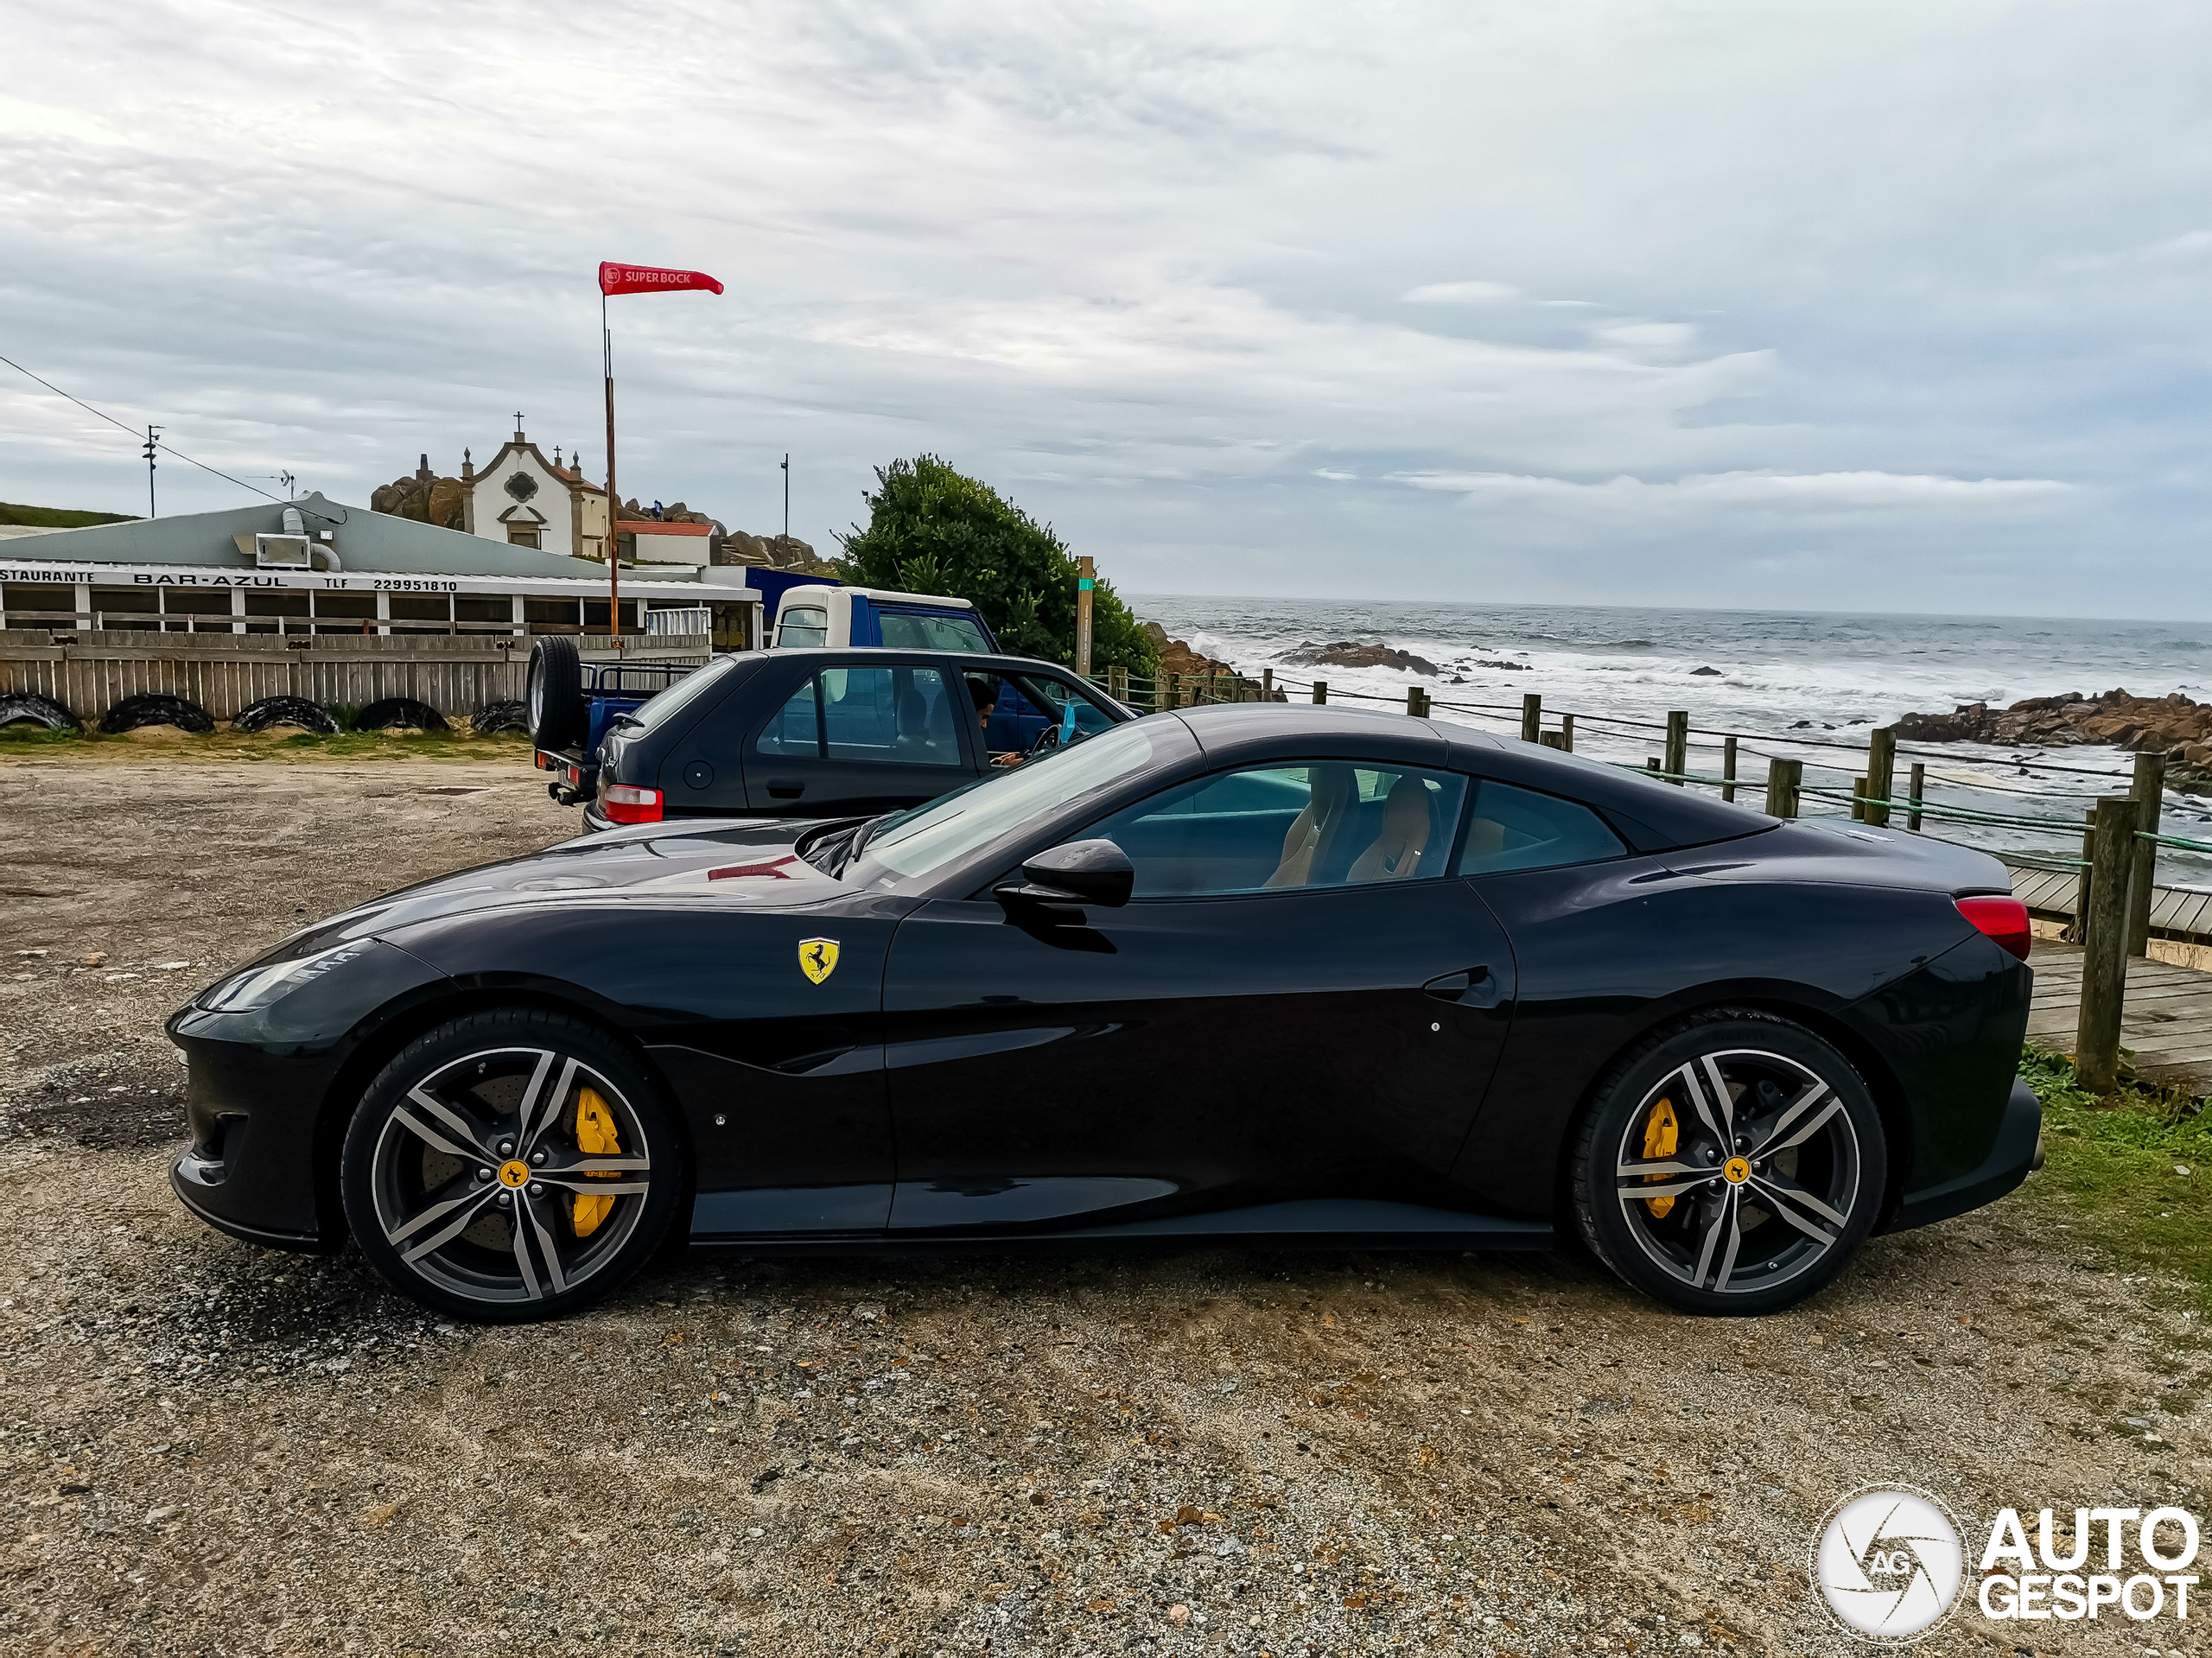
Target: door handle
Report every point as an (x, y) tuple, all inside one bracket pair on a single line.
[(786, 788), (1476, 987)]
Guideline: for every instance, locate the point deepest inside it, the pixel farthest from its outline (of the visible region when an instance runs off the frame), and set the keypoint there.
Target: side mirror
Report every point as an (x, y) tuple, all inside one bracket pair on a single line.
[(1081, 872)]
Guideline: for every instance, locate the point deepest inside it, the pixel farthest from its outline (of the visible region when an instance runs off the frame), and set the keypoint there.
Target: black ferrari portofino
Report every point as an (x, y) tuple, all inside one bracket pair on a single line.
[(1260, 974)]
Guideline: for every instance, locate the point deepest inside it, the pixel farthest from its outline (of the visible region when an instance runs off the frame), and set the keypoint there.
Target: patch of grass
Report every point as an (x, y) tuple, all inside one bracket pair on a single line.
[(225, 743), (2109, 1174)]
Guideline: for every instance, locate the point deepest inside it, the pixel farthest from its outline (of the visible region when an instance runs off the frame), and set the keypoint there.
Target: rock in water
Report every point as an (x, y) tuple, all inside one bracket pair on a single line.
[(2170, 724), (1704, 673), (1349, 653)]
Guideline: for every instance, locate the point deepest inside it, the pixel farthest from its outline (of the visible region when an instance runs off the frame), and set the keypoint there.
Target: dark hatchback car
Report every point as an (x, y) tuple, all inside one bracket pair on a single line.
[(820, 733), (1236, 975)]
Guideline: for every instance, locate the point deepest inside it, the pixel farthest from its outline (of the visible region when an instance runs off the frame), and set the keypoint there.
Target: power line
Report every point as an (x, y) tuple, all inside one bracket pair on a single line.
[(133, 431)]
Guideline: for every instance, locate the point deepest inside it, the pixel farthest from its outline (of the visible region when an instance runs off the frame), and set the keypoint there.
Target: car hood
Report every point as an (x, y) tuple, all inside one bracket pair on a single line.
[(750, 862)]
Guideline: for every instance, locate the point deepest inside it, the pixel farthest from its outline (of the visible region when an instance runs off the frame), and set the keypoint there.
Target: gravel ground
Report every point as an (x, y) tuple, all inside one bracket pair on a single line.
[(204, 1447)]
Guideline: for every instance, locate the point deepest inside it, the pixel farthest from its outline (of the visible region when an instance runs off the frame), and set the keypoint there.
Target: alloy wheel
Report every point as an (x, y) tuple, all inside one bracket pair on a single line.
[(510, 1175), (1740, 1170)]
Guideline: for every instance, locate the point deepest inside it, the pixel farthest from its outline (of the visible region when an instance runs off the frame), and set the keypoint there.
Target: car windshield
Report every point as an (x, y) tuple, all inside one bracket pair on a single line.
[(683, 694), (920, 629), (918, 842)]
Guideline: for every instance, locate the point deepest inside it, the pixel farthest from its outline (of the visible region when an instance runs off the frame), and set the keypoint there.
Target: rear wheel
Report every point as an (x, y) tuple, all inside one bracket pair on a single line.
[(510, 1166), (1731, 1165)]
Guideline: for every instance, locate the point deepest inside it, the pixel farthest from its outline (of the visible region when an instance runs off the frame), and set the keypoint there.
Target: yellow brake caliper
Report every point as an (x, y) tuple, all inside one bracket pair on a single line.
[(1660, 1136), (595, 1137)]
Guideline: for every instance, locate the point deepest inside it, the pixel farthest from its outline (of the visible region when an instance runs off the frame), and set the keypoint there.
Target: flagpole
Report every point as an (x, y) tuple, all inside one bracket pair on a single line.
[(613, 500)]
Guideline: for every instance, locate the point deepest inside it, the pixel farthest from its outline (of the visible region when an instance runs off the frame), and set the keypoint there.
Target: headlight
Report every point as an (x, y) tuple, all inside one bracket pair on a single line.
[(258, 986)]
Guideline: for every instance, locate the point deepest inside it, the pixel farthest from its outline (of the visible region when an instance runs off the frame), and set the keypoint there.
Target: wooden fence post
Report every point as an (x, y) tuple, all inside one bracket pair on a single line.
[(1532, 716), (1881, 773), (1728, 768), (1919, 791), (1567, 734), (1086, 579), (1321, 691), (1678, 744), (1653, 763), (1413, 701), (1859, 792), (1784, 778), (1117, 683), (2082, 876), (2149, 792), (1267, 684), (2104, 963)]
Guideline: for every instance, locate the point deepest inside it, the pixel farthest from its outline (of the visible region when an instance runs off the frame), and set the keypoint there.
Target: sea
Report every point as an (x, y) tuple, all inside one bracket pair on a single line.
[(1806, 684)]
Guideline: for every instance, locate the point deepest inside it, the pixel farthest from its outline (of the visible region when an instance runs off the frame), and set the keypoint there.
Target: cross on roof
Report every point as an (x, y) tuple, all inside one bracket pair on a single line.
[(517, 425)]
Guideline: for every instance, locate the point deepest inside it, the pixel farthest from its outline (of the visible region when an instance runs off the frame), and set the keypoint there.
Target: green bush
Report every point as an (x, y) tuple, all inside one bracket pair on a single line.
[(932, 530)]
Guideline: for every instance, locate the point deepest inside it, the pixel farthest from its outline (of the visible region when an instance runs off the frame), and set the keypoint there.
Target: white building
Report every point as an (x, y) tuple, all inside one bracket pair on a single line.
[(526, 500)]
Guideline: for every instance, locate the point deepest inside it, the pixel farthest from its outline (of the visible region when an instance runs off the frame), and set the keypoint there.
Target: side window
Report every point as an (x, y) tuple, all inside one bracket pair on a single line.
[(797, 729), (1330, 824), (1053, 696), (802, 627), (1519, 828), (901, 714)]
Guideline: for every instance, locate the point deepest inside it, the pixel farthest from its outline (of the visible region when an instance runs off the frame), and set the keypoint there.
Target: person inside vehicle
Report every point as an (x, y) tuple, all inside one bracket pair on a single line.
[(985, 693)]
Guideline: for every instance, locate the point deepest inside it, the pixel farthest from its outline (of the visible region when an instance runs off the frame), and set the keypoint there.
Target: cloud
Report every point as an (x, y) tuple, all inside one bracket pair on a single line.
[(1461, 293), (1154, 271)]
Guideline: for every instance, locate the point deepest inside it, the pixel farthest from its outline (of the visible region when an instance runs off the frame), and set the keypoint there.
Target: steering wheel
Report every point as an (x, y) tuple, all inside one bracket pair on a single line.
[(1044, 741)]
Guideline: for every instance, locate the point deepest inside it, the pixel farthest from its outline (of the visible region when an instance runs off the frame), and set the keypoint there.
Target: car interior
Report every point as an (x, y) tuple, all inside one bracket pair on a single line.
[(1336, 824)]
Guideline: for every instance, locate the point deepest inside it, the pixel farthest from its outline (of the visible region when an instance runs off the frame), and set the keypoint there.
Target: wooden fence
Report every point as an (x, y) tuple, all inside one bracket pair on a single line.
[(91, 672)]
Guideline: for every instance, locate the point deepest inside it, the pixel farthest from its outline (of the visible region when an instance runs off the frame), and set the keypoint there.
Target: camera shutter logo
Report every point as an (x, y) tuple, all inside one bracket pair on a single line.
[(1888, 1563)]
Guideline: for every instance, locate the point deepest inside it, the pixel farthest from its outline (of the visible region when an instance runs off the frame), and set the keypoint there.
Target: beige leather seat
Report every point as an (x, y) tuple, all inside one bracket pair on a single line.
[(1402, 841), (1313, 833)]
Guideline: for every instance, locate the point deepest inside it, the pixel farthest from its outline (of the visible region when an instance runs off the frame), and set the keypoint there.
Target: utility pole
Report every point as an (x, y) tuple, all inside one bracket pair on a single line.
[(787, 495), (153, 442)]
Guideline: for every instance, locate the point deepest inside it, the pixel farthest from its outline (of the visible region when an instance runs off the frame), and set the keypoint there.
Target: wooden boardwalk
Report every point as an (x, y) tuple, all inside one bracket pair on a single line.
[(2176, 912), (2167, 1025)]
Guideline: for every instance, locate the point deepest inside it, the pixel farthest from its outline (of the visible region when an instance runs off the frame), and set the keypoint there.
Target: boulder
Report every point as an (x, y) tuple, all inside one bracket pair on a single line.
[(2160, 724), (1350, 653)]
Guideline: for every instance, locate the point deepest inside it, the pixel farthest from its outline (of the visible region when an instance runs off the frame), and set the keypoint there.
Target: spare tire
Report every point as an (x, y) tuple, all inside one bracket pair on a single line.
[(500, 716), (284, 711), (392, 711), (29, 707), (154, 708), (556, 692)]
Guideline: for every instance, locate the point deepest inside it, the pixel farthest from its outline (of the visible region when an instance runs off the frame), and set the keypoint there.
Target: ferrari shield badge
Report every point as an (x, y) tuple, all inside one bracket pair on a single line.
[(817, 958)]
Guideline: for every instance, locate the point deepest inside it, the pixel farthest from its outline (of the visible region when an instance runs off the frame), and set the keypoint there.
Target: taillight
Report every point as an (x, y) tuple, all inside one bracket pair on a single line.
[(625, 803), (2003, 919)]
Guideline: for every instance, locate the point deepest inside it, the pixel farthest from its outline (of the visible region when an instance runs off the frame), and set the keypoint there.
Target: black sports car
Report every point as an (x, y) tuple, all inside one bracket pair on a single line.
[(1259, 974)]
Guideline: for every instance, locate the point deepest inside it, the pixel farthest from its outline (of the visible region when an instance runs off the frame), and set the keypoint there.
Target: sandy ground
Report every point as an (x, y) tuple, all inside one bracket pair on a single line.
[(208, 1448)]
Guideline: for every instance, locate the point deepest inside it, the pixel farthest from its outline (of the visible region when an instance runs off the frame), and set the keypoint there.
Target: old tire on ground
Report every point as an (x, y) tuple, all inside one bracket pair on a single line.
[(500, 716), (284, 711), (555, 691), (1729, 1164), (389, 711), (29, 707), (511, 1165), (154, 709)]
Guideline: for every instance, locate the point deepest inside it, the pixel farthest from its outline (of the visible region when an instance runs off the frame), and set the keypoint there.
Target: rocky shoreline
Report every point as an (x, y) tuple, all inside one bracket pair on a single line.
[(2173, 725)]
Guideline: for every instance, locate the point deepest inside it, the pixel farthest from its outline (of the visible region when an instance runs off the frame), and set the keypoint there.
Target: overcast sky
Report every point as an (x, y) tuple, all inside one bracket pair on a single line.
[(1866, 306)]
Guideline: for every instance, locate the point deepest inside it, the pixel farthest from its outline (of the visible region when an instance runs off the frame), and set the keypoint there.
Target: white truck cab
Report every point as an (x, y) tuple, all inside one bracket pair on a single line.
[(814, 617)]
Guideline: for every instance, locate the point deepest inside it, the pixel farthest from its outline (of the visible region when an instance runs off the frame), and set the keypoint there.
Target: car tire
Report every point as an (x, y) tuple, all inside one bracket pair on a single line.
[(1731, 1163), (554, 690), (471, 1165), (154, 709), (392, 711), (273, 711), (500, 716), (29, 707)]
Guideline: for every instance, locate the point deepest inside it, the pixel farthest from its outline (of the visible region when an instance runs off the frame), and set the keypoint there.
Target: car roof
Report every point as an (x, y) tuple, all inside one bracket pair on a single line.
[(841, 653)]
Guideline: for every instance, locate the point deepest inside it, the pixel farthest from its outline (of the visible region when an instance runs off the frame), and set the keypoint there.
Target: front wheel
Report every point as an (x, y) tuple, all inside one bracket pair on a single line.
[(511, 1165), (1731, 1165)]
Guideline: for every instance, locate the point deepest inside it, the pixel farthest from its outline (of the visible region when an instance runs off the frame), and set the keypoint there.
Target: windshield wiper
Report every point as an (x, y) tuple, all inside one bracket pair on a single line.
[(860, 838)]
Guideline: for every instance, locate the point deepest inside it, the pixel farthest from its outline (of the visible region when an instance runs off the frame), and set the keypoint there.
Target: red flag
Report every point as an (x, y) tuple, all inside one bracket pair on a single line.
[(652, 279)]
